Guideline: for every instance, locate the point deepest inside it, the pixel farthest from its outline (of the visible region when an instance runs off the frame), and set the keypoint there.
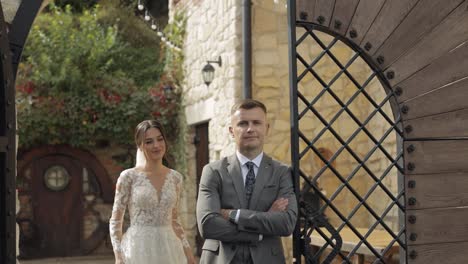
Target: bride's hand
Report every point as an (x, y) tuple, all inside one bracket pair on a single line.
[(119, 261), (191, 260), (190, 257)]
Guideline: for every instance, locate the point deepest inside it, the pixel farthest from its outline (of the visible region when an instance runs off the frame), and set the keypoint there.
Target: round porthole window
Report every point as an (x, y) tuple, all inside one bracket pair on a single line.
[(56, 178)]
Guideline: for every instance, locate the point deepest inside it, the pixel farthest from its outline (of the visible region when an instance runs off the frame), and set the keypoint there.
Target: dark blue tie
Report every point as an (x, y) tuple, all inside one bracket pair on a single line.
[(249, 181)]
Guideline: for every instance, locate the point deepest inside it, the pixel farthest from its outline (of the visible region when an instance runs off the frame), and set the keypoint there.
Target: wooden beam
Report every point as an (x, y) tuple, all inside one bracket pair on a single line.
[(435, 102), (437, 190), (437, 225), (436, 156), (447, 253), (446, 36), (324, 8), (446, 125), (391, 15), (305, 10), (342, 15), (449, 68), (426, 15), (365, 14)]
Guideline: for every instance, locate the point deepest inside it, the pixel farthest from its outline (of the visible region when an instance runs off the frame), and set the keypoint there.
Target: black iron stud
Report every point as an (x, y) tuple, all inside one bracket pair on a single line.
[(412, 201), (303, 15), (412, 184), (353, 33), (368, 46), (404, 109), (380, 59), (390, 75), (411, 166), (410, 148), (413, 237), (412, 219), (398, 91), (337, 24), (413, 254), (321, 19), (408, 129)]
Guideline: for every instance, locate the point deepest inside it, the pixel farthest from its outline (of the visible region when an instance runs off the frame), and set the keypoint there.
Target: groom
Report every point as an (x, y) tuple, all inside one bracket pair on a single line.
[(246, 201)]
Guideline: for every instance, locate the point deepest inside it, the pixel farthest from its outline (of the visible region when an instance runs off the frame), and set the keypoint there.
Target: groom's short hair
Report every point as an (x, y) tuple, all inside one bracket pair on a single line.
[(248, 104)]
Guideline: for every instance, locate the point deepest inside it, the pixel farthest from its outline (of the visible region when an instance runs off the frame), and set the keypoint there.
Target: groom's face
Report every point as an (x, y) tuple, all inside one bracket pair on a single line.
[(249, 128)]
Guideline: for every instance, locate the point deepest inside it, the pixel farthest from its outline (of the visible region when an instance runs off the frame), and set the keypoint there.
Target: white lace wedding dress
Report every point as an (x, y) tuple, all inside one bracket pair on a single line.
[(155, 235)]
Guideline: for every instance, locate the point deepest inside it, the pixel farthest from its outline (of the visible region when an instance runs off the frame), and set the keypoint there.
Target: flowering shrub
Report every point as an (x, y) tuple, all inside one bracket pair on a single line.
[(80, 83)]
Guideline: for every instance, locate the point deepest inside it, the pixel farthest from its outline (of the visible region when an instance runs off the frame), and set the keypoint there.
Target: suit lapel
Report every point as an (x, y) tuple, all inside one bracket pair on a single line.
[(236, 174), (264, 171)]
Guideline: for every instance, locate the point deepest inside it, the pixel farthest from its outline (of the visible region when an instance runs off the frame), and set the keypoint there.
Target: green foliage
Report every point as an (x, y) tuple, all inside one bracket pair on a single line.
[(76, 5), (175, 32), (174, 74), (132, 28), (81, 82)]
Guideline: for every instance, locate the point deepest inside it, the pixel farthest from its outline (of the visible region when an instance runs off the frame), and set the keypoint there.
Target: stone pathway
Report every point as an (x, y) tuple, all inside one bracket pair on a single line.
[(100, 259)]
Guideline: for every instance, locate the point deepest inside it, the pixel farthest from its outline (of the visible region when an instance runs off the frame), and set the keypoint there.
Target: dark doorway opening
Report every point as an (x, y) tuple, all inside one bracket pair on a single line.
[(202, 158)]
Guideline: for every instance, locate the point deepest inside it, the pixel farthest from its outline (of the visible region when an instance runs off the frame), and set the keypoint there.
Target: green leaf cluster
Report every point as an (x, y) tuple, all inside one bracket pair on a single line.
[(81, 81)]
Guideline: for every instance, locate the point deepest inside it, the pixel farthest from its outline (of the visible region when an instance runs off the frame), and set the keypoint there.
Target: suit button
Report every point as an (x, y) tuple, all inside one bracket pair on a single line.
[(233, 247)]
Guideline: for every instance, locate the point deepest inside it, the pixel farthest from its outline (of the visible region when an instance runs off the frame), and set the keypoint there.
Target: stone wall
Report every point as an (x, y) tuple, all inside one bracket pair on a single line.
[(213, 30)]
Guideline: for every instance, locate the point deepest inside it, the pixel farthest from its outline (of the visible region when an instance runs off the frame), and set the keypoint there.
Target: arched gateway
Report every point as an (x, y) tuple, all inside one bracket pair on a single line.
[(417, 52)]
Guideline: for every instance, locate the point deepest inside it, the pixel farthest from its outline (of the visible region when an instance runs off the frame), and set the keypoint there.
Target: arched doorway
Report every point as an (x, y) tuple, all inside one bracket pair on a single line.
[(58, 187)]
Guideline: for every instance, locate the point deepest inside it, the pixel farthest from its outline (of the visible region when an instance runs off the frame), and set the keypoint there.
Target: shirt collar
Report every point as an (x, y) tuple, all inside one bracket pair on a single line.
[(243, 159)]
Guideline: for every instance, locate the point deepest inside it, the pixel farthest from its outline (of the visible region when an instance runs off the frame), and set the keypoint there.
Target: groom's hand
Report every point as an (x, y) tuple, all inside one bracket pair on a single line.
[(279, 205), (225, 213)]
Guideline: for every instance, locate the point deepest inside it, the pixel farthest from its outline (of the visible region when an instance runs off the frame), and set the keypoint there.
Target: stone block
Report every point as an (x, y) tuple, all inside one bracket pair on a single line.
[(267, 57), (263, 71), (266, 82), (266, 92), (265, 41), (263, 20)]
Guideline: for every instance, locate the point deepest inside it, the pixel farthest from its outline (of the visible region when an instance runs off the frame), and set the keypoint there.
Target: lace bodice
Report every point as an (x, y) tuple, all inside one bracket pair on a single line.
[(146, 205)]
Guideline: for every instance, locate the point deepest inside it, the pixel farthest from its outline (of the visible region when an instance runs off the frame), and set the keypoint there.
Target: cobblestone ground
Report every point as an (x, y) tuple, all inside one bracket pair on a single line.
[(107, 259)]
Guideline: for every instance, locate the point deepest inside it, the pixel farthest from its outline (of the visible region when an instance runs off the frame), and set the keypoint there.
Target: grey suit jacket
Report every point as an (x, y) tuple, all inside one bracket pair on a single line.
[(222, 187)]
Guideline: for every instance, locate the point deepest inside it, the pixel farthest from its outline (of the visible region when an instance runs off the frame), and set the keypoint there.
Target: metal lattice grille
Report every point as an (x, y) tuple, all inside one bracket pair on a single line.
[(349, 154)]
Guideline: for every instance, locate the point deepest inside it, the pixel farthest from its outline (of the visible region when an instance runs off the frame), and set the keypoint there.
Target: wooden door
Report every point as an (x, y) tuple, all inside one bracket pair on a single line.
[(57, 204), (202, 158)]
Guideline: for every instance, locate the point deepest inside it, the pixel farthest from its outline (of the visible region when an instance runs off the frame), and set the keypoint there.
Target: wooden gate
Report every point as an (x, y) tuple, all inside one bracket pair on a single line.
[(419, 51)]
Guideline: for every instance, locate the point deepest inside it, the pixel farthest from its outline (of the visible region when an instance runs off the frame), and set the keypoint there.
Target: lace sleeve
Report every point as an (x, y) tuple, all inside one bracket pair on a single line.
[(178, 229), (122, 193)]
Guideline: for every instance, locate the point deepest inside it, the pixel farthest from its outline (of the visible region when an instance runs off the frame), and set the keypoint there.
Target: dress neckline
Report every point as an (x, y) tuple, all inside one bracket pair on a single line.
[(158, 192)]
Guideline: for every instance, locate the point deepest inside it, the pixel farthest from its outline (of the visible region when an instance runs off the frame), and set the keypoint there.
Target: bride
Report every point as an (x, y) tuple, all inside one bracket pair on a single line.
[(151, 192)]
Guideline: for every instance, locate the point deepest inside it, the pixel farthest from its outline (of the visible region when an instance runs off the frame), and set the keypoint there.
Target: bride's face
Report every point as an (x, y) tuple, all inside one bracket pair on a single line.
[(154, 145)]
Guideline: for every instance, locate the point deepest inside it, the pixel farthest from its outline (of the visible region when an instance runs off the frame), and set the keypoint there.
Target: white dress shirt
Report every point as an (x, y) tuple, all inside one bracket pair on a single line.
[(244, 169), (243, 160)]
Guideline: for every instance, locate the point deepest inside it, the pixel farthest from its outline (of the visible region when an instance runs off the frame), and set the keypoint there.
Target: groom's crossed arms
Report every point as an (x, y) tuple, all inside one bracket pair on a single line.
[(250, 225)]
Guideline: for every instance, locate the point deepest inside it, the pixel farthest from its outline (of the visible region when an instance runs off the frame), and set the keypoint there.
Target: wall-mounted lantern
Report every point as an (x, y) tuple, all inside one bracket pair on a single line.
[(208, 71)]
